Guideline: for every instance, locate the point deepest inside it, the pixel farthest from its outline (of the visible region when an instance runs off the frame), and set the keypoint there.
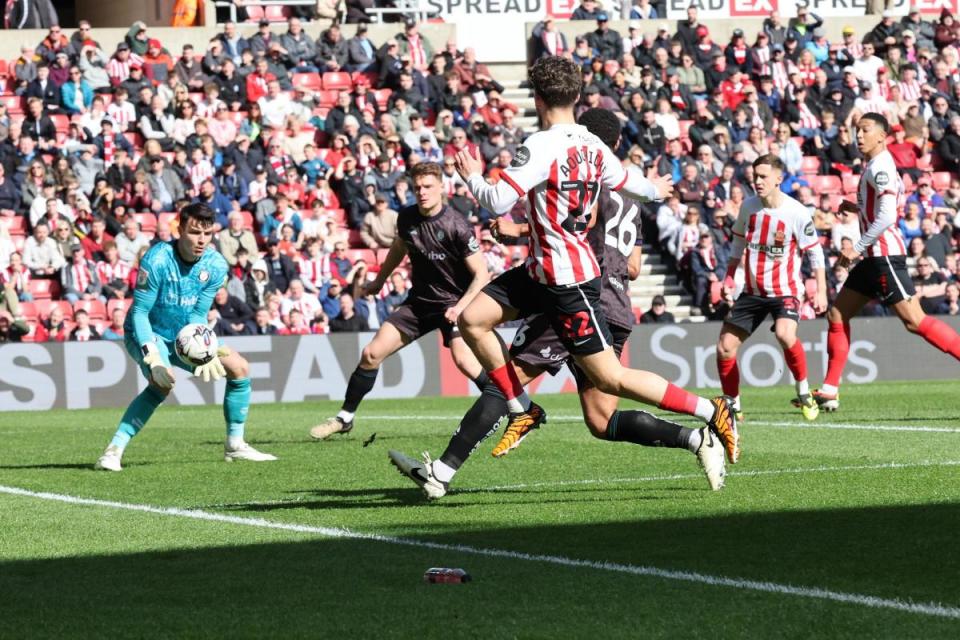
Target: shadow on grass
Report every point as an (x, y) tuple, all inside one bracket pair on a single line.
[(332, 588)]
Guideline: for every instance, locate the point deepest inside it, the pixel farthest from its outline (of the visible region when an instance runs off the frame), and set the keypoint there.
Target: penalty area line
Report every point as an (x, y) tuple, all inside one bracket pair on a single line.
[(922, 608)]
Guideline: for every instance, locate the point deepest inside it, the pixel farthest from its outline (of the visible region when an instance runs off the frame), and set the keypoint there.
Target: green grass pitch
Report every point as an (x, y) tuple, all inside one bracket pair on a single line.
[(865, 502)]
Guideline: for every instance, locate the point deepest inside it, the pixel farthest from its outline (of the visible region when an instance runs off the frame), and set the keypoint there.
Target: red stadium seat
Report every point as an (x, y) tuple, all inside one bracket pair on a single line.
[(835, 200), (941, 181), (61, 122), (168, 220), (327, 98), (15, 225), (850, 182), (254, 12), (383, 97), (685, 128), (29, 311), (123, 304), (94, 308), (4, 69), (825, 184), (354, 240), (337, 80), (275, 13), (382, 255), (44, 289), (369, 256), (925, 163), (247, 220), (43, 308), (14, 104), (810, 165), (148, 222), (339, 215), (309, 81)]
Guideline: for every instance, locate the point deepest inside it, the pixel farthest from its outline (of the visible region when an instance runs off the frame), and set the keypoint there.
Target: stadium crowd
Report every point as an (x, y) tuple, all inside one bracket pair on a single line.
[(300, 145)]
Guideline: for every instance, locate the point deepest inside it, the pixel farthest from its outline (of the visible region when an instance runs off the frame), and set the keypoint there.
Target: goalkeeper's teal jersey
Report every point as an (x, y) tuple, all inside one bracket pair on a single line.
[(172, 293)]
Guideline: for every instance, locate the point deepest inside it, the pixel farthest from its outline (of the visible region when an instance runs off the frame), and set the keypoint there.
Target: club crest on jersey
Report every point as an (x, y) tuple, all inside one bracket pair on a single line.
[(204, 275), (142, 277), (808, 230), (441, 235), (881, 178), (521, 157), (473, 245), (779, 238)]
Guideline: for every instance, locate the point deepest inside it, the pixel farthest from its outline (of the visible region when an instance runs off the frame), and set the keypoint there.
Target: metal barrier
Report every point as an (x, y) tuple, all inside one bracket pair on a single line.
[(264, 3)]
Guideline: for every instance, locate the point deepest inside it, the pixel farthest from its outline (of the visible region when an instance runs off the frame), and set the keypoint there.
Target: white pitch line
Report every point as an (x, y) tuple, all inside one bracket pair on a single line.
[(747, 423), (933, 609), (642, 479)]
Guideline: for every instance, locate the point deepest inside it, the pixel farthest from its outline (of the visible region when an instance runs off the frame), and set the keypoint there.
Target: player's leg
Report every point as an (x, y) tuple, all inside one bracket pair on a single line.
[(936, 332), (477, 323), (847, 305), (464, 359), (728, 344), (608, 375), (236, 406), (785, 329), (645, 429), (388, 340), (480, 421), (138, 412)]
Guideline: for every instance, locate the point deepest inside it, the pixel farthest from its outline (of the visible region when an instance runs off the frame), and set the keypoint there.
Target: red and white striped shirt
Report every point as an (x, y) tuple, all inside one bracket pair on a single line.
[(81, 276), (122, 115), (120, 70), (200, 172), (314, 270), (19, 279), (774, 240), (879, 179), (780, 72), (910, 91), (107, 272), (308, 305), (418, 57), (561, 171), (808, 120)]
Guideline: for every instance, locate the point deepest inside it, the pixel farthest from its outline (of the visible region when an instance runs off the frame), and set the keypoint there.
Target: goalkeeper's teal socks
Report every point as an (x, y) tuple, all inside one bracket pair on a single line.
[(236, 405), (137, 415)]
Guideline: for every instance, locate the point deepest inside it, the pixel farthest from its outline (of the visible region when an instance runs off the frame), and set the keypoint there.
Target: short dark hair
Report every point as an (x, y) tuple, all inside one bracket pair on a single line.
[(772, 160), (880, 119), (199, 212), (603, 124), (556, 81)]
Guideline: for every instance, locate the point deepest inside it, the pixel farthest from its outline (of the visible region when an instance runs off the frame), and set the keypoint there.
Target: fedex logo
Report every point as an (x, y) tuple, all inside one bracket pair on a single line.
[(754, 7)]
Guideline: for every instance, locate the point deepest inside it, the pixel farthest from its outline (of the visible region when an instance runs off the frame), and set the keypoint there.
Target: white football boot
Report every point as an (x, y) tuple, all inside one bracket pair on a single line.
[(243, 451), (710, 455), (420, 472), (110, 460)]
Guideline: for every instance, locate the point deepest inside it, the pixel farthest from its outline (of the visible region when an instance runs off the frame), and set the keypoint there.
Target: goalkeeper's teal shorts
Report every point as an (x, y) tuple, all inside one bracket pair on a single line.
[(168, 353)]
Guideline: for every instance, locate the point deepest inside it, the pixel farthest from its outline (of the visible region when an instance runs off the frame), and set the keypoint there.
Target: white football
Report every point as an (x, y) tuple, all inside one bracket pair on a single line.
[(196, 344)]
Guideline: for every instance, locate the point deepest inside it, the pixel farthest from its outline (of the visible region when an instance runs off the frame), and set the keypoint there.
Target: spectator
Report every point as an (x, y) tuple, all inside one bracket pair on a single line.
[(83, 331), (361, 53), (284, 214), (17, 276), (234, 237), (235, 316), (705, 269), (347, 320), (131, 240), (398, 291), (219, 203), (112, 273), (929, 202), (936, 241), (657, 314), (280, 268), (930, 285), (12, 329), (298, 48), (41, 254), (332, 50), (53, 328), (379, 228), (114, 330), (951, 303), (262, 323), (79, 278)]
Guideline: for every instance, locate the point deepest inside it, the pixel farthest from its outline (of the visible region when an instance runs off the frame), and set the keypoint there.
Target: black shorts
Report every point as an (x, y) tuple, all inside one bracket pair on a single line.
[(884, 278), (749, 311), (573, 311), (414, 321), (536, 344)]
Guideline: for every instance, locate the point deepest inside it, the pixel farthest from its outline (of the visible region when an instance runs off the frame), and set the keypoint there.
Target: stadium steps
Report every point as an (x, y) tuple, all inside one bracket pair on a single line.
[(656, 279)]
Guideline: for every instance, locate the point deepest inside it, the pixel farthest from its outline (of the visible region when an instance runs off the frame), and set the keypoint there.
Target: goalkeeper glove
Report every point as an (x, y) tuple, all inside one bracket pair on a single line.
[(160, 374), (213, 370)]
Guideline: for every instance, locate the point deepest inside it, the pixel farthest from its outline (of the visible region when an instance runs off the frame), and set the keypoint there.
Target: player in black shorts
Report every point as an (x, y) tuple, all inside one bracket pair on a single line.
[(615, 239), (448, 271)]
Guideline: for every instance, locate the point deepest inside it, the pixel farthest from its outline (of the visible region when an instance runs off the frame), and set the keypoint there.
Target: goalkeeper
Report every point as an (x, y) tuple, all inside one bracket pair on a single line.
[(175, 287)]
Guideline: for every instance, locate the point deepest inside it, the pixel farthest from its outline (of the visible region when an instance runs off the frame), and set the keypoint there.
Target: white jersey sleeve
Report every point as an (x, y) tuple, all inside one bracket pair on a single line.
[(531, 164)]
